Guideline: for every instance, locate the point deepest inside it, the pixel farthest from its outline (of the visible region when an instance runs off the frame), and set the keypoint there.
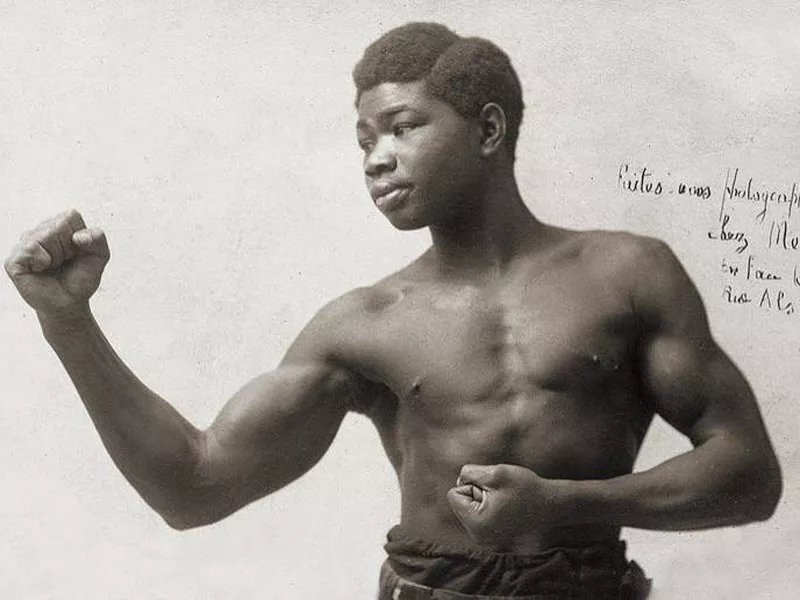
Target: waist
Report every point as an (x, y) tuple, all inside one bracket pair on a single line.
[(402, 540), (440, 525), (596, 569)]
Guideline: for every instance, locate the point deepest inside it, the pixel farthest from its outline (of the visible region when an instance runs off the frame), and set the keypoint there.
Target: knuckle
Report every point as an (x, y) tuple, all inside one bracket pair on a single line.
[(44, 240), (30, 246), (501, 472), (75, 217), (43, 231), (13, 265)]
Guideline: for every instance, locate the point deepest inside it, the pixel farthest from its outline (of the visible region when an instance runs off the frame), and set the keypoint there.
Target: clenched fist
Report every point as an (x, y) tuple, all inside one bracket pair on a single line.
[(502, 505), (57, 266)]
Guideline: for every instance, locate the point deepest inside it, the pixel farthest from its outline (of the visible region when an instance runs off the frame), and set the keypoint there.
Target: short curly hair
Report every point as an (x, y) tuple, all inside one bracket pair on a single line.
[(466, 73)]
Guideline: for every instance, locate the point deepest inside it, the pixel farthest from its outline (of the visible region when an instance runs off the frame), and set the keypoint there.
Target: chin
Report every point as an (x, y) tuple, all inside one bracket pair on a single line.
[(406, 220), (406, 224)]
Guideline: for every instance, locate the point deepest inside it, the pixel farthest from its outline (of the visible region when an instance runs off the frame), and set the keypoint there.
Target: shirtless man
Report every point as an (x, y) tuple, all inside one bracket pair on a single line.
[(512, 370)]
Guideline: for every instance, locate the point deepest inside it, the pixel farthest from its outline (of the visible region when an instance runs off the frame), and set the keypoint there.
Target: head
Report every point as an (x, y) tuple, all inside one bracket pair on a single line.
[(461, 92), (466, 73)]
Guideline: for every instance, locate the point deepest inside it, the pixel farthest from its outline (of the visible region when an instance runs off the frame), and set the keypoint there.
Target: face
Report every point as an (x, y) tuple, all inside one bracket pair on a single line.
[(421, 158)]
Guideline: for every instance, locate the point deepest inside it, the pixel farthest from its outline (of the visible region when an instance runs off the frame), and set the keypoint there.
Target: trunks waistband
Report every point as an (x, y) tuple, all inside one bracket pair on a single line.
[(422, 569), (399, 543), (394, 587)]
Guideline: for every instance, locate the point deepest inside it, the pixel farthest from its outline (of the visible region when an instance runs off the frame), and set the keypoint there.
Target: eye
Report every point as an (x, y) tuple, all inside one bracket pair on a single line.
[(401, 129), (366, 144)]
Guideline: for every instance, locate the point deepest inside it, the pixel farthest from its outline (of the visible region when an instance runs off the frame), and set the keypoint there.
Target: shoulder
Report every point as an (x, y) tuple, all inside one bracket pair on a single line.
[(348, 306), (371, 300), (625, 249), (647, 271), (598, 247), (336, 341), (323, 350), (658, 282), (349, 315), (664, 296), (338, 316), (344, 319), (362, 303), (629, 259)]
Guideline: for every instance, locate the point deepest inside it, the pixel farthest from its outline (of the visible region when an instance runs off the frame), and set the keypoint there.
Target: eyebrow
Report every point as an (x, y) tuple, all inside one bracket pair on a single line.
[(385, 113)]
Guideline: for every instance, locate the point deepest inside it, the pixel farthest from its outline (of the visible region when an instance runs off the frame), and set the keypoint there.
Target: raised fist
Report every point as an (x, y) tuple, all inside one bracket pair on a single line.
[(57, 266)]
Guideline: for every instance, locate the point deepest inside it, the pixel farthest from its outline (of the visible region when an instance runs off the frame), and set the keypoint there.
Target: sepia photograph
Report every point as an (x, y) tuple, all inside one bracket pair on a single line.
[(404, 301)]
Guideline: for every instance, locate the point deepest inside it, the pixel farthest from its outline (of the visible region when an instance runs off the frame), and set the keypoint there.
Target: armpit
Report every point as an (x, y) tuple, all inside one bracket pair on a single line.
[(367, 396)]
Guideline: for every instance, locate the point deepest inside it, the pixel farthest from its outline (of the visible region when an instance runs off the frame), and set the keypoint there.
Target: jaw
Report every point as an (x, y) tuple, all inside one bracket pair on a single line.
[(405, 222)]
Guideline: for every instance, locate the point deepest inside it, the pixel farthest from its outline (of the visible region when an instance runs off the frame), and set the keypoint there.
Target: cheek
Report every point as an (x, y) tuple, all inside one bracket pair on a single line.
[(442, 166)]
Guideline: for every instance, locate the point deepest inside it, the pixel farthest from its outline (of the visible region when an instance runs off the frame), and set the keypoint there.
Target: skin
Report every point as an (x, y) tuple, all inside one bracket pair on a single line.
[(512, 370)]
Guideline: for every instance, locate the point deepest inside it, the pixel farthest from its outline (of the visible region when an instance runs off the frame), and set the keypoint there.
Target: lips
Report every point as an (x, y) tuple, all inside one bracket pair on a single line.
[(388, 193)]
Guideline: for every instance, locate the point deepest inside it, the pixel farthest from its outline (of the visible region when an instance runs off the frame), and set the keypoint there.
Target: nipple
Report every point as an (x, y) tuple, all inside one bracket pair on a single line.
[(610, 363)]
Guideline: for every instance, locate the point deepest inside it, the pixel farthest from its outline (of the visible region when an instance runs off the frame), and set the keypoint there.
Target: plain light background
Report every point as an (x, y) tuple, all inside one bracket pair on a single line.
[(214, 142)]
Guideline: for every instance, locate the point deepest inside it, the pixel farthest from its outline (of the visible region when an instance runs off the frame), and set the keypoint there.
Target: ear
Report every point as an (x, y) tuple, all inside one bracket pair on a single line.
[(493, 128)]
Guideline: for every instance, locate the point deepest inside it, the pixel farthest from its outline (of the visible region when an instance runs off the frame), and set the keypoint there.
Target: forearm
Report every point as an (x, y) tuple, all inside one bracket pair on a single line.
[(719, 483), (150, 442)]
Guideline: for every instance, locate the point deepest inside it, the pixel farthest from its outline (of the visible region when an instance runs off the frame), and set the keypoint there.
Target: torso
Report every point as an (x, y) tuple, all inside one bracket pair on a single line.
[(535, 368)]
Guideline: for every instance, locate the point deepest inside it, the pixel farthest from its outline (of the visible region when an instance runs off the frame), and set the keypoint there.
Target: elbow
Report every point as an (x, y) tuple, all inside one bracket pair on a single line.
[(767, 482), (190, 508), (765, 507), (184, 520), (197, 499), (197, 507), (769, 495), (180, 520), (193, 500), (178, 523)]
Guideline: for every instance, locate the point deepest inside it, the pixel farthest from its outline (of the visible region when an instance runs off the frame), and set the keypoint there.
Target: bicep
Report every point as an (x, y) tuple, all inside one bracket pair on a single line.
[(696, 388), (273, 430), (280, 424), (689, 379)]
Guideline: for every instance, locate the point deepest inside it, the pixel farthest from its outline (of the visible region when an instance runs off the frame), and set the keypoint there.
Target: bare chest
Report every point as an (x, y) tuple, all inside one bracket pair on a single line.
[(432, 345)]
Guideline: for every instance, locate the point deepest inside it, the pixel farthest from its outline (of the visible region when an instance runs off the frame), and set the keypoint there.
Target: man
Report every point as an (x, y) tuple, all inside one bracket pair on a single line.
[(512, 370)]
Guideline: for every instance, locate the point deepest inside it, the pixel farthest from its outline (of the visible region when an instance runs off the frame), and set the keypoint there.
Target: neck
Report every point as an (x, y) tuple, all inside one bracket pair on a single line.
[(483, 241)]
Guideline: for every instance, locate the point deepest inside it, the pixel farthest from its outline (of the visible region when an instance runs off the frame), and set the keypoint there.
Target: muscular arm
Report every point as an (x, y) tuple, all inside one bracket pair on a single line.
[(731, 476), (271, 432)]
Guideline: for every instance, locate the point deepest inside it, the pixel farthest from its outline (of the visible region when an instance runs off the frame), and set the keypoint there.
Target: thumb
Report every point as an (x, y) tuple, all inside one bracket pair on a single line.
[(92, 241), (480, 475)]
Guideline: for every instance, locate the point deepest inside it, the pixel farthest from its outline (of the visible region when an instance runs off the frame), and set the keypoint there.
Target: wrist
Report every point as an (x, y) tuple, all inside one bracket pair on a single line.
[(582, 502), (65, 321)]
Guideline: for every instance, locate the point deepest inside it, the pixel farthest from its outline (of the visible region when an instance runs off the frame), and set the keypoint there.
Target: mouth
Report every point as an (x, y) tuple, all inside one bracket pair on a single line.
[(388, 196)]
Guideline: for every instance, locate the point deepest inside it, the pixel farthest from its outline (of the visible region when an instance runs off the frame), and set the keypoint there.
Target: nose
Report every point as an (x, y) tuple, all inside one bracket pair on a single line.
[(381, 158)]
